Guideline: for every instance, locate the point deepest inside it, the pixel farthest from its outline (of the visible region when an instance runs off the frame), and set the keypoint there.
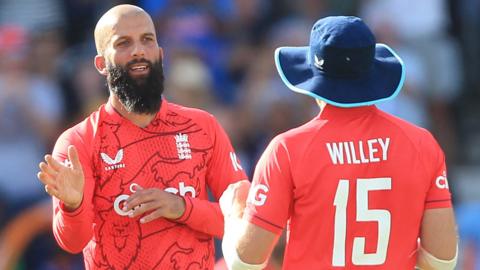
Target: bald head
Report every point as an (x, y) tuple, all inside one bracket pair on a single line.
[(110, 21)]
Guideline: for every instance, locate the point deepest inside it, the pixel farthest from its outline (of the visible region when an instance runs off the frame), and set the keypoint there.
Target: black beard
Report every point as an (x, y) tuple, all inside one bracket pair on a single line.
[(142, 95)]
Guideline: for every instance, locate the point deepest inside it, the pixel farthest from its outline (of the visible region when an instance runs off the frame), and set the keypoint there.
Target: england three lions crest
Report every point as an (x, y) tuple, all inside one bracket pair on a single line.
[(183, 146)]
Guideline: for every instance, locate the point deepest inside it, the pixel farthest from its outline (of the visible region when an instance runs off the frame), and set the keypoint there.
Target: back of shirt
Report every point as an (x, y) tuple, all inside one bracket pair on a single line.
[(353, 185)]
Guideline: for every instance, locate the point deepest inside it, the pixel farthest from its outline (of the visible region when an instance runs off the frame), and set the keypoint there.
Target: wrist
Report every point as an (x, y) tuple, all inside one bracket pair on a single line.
[(179, 207), (187, 211), (71, 207)]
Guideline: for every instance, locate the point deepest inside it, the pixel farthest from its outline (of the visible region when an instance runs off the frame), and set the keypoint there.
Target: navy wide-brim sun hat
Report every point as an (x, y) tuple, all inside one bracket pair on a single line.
[(343, 65)]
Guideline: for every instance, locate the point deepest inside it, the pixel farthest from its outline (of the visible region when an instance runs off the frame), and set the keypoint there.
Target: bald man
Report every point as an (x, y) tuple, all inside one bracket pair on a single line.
[(129, 183)]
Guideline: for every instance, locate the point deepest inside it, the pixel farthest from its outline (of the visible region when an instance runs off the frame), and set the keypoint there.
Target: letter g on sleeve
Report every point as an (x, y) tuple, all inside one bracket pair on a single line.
[(258, 195)]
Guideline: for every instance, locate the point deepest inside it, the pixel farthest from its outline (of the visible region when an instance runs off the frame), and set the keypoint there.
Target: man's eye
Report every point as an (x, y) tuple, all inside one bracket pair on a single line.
[(122, 43)]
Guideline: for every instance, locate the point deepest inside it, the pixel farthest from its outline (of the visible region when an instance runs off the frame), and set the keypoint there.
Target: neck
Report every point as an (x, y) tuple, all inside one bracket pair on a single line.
[(141, 120)]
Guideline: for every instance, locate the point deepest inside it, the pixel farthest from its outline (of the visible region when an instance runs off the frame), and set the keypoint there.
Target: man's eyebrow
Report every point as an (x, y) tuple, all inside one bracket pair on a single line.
[(117, 38), (148, 35)]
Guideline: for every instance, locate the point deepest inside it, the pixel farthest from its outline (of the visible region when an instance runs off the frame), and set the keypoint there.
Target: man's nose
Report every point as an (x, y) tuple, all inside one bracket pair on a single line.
[(138, 50)]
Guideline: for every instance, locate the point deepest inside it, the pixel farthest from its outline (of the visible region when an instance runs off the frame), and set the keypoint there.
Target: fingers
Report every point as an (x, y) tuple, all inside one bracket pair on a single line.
[(226, 200), (47, 176), (144, 208), (46, 179), (135, 187), (164, 204), (47, 169), (154, 215), (73, 157), (138, 198), (57, 166), (241, 191), (233, 199), (52, 191)]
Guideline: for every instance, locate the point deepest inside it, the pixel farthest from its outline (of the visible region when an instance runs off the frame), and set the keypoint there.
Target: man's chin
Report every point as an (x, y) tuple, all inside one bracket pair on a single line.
[(139, 77), (140, 80), (139, 74)]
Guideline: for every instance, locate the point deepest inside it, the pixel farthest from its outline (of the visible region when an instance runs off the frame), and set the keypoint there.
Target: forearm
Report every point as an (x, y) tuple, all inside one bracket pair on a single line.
[(72, 230), (203, 216)]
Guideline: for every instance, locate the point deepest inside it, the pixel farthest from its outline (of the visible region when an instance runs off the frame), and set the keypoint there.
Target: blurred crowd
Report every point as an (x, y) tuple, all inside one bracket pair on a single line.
[(219, 57)]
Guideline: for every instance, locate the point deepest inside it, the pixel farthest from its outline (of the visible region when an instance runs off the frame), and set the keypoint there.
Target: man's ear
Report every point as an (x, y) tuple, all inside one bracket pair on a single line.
[(100, 65), (160, 50)]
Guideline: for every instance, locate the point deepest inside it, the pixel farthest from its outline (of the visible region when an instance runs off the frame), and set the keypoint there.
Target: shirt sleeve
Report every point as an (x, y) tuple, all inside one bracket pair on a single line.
[(438, 195), (224, 168), (270, 196), (73, 230)]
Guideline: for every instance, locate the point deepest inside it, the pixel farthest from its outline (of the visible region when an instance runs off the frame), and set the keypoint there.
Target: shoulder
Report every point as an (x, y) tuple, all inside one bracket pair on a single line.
[(293, 140), (82, 132), (418, 136), (188, 111), (199, 116), (296, 137)]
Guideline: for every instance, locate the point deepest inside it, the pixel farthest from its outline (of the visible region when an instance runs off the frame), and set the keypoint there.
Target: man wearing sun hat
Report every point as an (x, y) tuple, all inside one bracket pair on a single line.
[(355, 186)]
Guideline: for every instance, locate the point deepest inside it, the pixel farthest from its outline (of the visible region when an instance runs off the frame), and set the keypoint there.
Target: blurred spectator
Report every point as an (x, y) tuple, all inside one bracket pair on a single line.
[(412, 100), (26, 242), (466, 14), (44, 55), (30, 111), (84, 89), (268, 105), (189, 82), (33, 15), (468, 216), (81, 17), (310, 10), (191, 27), (421, 26)]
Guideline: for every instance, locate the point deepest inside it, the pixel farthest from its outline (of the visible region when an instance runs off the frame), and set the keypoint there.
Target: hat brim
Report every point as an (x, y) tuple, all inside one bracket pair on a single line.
[(382, 82)]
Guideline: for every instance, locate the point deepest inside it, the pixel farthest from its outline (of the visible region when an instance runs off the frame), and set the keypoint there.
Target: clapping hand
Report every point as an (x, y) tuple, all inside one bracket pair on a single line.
[(64, 181)]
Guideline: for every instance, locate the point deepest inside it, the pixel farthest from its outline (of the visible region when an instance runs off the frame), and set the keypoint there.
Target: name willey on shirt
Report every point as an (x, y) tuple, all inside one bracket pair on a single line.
[(359, 152)]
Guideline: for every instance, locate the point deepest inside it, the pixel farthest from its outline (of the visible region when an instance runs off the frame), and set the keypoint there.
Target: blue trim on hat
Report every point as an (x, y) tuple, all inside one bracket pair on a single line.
[(345, 105)]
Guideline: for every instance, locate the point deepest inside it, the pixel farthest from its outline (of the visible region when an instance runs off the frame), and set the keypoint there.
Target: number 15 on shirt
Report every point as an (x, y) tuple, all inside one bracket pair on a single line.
[(363, 214)]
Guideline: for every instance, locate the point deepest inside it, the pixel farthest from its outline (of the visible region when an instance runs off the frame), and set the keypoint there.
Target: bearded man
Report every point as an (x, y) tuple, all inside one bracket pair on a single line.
[(129, 183)]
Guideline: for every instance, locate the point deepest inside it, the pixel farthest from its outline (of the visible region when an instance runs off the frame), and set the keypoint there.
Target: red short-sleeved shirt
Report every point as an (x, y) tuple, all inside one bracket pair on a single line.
[(182, 151), (352, 184)]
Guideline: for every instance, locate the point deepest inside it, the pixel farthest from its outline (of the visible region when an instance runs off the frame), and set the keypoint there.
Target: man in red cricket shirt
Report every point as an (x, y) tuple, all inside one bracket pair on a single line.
[(129, 183), (356, 187)]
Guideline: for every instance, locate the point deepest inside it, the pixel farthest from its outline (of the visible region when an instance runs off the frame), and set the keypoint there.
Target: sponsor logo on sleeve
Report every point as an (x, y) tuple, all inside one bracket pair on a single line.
[(258, 195), (441, 182)]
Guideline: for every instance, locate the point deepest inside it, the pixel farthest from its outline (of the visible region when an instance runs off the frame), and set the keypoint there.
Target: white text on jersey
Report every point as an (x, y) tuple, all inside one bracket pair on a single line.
[(359, 152)]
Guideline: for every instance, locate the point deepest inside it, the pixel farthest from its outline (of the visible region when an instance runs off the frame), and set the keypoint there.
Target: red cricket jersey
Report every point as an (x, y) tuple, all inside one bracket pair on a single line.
[(353, 185), (182, 151)]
